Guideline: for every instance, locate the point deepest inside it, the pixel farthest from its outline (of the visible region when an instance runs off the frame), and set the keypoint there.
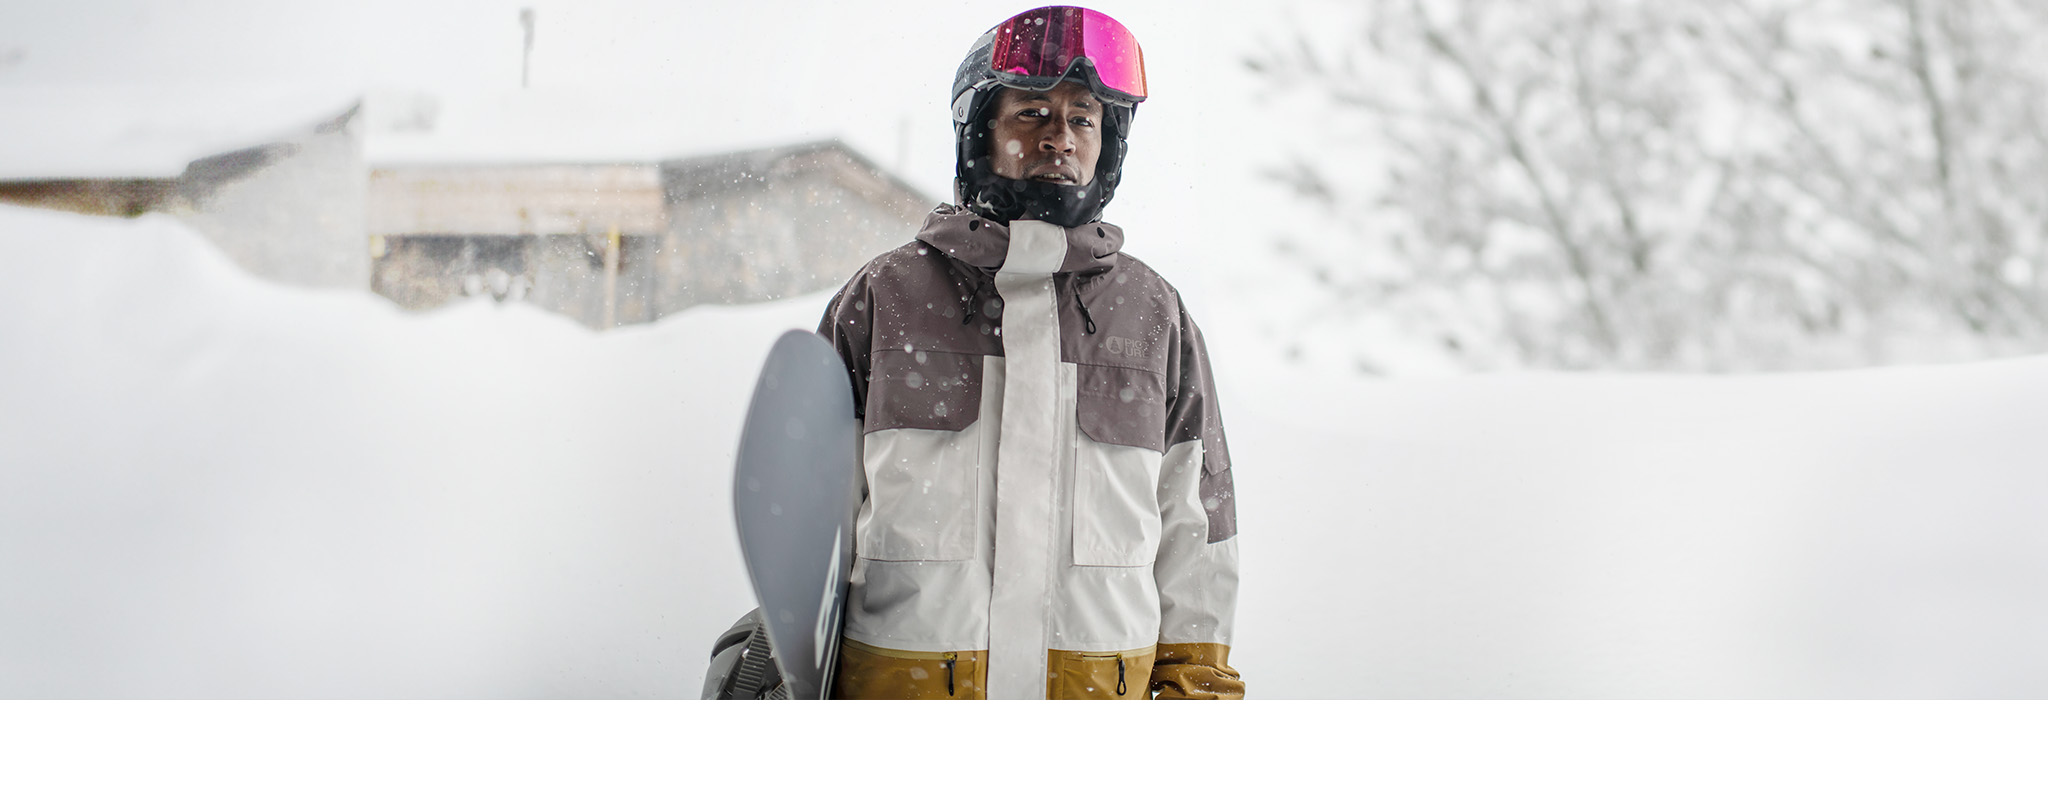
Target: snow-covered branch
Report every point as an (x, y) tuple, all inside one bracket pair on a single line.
[(1747, 184)]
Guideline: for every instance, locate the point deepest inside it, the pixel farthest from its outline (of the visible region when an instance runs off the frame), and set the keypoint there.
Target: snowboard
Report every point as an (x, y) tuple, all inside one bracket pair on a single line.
[(794, 498)]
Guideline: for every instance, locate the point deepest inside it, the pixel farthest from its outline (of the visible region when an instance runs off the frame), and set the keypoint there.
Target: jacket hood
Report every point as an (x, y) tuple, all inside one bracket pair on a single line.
[(976, 241)]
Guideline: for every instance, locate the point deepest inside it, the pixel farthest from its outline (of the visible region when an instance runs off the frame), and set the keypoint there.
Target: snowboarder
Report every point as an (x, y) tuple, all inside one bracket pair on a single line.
[(1048, 508)]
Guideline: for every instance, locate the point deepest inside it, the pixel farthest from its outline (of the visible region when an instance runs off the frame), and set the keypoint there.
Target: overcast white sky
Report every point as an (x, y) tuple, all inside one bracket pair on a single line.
[(875, 74)]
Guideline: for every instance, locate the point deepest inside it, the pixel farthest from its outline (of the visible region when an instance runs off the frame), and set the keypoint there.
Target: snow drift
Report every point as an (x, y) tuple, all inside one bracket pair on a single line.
[(219, 487)]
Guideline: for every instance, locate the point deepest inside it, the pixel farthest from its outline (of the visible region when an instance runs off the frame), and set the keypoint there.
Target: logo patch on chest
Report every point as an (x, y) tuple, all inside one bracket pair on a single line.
[(1133, 349)]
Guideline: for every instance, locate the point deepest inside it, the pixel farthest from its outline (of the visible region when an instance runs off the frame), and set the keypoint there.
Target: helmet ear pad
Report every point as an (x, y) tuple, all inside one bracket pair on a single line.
[(977, 187)]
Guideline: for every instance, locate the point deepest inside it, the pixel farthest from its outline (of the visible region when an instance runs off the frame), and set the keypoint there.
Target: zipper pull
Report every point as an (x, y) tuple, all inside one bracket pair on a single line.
[(949, 672), (1119, 676)]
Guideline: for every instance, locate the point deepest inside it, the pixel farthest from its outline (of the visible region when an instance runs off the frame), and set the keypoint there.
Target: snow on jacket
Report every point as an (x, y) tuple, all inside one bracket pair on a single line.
[(1048, 507)]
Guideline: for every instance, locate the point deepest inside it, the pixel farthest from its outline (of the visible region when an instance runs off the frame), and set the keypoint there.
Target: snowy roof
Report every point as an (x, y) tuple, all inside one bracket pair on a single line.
[(51, 133), (852, 167), (155, 132), (553, 125)]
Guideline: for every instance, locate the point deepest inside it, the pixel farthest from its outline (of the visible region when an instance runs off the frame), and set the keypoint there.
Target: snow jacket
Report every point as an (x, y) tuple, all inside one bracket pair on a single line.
[(1048, 507)]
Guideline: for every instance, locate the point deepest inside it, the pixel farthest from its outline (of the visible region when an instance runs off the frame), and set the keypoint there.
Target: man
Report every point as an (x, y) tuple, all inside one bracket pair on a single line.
[(1049, 509)]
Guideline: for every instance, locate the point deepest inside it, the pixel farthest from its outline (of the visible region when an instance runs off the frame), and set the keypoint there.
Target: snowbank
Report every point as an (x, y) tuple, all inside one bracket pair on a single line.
[(1860, 534), (220, 487)]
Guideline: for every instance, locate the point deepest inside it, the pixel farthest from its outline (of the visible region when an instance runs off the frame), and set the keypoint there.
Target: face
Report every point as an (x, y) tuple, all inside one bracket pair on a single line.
[(1053, 136)]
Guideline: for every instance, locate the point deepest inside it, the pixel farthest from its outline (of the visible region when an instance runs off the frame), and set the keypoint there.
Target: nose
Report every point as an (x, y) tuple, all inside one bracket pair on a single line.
[(1060, 139)]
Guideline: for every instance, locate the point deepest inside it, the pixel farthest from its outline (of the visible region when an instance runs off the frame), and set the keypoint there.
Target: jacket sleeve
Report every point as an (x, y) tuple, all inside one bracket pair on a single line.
[(847, 325), (1196, 569)]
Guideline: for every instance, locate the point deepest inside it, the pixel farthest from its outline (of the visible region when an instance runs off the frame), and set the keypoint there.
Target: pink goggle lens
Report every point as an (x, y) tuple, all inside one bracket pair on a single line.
[(1037, 47)]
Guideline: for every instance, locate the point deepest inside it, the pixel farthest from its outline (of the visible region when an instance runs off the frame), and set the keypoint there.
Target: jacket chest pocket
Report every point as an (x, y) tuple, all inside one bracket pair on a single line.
[(922, 453), (923, 489), (1116, 504), (1121, 414)]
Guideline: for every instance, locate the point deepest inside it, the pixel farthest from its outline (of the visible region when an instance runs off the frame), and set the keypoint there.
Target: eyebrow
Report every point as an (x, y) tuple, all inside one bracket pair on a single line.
[(1087, 102)]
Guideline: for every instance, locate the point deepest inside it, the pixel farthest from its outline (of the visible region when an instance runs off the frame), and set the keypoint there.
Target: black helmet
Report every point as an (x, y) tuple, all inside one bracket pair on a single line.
[(1036, 50)]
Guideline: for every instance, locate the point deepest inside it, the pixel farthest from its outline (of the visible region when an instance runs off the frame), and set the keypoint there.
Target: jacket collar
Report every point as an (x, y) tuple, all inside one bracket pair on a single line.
[(976, 241)]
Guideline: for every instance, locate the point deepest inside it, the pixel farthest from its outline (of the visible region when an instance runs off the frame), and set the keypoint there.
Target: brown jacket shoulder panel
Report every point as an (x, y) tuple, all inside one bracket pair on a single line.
[(915, 359)]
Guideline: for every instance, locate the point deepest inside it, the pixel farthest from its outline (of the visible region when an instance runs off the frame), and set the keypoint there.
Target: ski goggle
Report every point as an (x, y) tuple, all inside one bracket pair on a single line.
[(1036, 49)]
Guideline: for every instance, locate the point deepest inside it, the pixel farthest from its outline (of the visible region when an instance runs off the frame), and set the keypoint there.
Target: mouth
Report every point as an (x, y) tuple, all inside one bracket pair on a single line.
[(1053, 170)]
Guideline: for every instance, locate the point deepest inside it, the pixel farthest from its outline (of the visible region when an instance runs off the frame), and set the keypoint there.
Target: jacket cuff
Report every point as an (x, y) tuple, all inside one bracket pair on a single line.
[(1197, 671)]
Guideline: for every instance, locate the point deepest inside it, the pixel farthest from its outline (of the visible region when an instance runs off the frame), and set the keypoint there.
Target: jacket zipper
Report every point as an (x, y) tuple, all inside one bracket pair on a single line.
[(1119, 676), (950, 657)]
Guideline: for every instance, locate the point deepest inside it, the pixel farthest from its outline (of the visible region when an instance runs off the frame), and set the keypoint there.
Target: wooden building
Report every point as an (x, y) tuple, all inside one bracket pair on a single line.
[(611, 244)]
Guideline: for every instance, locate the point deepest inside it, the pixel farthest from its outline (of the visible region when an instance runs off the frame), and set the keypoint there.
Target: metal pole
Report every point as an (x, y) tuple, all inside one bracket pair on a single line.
[(526, 57), (611, 276)]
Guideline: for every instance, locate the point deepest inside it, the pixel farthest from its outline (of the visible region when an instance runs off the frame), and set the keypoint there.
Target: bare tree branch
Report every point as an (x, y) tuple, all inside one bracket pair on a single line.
[(1511, 138)]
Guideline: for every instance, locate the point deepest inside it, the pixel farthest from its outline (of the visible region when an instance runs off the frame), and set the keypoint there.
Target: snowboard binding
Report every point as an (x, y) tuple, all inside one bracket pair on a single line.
[(743, 665)]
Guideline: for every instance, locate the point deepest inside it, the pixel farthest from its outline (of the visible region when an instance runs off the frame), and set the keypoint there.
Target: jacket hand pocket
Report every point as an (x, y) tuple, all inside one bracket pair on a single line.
[(1111, 675)]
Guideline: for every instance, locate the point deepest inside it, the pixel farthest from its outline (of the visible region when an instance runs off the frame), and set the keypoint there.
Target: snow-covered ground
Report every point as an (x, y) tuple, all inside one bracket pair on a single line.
[(212, 486)]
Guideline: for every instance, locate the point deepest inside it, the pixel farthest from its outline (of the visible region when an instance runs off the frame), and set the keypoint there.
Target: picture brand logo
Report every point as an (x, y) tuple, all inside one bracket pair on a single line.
[(1128, 348)]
